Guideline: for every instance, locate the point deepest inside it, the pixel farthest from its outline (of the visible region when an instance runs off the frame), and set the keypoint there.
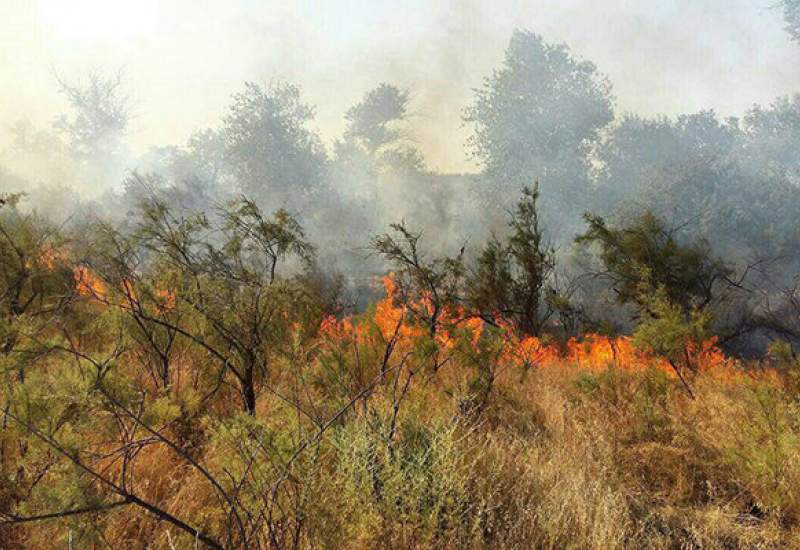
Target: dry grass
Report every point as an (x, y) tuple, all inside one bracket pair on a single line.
[(561, 457)]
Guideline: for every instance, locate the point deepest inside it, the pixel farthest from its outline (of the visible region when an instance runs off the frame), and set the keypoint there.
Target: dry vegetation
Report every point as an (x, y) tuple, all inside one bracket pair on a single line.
[(371, 431), (183, 365)]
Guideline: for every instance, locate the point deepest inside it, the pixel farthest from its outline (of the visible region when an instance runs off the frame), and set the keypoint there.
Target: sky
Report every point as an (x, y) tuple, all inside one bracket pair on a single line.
[(182, 59)]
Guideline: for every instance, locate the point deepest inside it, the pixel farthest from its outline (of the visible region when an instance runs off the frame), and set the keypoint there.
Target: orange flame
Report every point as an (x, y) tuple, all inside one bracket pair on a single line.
[(167, 300), (594, 352), (87, 284)]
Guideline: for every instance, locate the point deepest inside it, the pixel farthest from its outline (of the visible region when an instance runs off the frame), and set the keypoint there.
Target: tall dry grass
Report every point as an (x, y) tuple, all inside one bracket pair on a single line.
[(561, 457)]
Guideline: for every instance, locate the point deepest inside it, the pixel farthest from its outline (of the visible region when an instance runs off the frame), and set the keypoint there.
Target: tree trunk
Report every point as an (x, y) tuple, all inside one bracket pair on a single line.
[(249, 391)]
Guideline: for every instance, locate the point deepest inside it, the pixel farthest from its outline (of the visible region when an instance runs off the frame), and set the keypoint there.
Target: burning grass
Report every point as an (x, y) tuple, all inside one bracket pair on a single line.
[(475, 436)]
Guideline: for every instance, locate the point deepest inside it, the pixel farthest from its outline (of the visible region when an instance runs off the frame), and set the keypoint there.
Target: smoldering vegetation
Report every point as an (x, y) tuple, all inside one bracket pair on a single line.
[(258, 339)]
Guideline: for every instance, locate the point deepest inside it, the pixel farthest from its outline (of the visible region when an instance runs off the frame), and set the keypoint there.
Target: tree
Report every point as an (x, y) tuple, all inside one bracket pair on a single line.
[(35, 282), (375, 158), (680, 290), (538, 115), (373, 122), (427, 287), (276, 158), (226, 278), (791, 15), (197, 172), (770, 164), (671, 165), (510, 278), (736, 179), (99, 118), (379, 170), (376, 133), (645, 257)]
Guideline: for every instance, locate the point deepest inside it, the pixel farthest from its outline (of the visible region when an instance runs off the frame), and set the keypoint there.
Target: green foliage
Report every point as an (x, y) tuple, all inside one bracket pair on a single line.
[(510, 279), (35, 281), (99, 118), (376, 138), (417, 491), (645, 258), (237, 307), (372, 122), (251, 237), (791, 15), (264, 127), (536, 116), (667, 330)]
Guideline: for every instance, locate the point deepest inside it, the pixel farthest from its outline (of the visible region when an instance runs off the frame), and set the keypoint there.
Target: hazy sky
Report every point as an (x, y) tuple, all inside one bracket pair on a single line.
[(183, 58)]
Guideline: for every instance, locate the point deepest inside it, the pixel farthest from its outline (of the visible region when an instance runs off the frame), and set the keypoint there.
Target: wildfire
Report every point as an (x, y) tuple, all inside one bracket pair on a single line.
[(389, 317), (167, 300), (87, 284), (50, 258), (334, 329), (593, 352), (392, 319)]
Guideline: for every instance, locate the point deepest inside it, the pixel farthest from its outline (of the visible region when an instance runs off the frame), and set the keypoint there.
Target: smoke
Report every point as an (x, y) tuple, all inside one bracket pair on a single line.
[(184, 59)]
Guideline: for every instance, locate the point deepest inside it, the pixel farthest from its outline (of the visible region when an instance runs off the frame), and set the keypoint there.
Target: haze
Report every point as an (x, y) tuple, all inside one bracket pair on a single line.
[(182, 60)]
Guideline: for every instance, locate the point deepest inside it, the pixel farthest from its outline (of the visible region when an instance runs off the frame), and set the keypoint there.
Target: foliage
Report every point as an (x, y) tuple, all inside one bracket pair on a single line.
[(276, 158), (791, 14), (187, 371), (645, 257), (511, 279), (100, 115), (535, 117), (35, 283), (343, 437), (372, 122)]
